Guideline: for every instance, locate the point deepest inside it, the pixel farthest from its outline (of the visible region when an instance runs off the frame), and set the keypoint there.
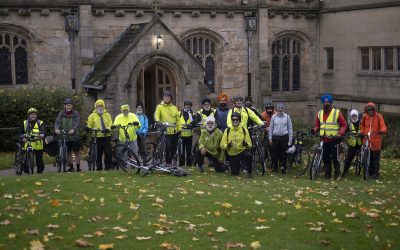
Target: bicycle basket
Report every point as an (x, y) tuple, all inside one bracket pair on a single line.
[(51, 149)]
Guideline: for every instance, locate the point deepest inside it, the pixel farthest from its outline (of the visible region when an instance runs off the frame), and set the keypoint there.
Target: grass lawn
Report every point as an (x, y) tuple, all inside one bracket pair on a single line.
[(7, 159), (201, 211)]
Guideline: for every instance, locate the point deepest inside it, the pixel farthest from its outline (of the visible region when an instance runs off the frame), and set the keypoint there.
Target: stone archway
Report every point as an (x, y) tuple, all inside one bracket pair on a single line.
[(152, 81)]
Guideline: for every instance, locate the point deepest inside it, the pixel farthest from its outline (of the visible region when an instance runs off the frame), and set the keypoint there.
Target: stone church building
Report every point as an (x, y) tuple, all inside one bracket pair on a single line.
[(126, 51)]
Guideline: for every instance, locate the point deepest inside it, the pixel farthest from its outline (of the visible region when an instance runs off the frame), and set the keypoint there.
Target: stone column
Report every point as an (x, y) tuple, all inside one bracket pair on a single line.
[(263, 82), (86, 55)]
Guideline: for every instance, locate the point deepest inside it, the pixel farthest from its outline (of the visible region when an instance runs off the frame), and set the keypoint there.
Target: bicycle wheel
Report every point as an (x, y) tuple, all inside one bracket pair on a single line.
[(301, 161), (357, 164), (259, 165), (365, 163), (315, 165), (194, 150), (150, 150), (126, 158), (19, 162), (65, 159), (179, 154), (30, 162), (177, 171)]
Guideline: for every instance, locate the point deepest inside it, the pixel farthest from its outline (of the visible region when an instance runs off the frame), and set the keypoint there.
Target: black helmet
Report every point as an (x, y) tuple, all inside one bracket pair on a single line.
[(167, 93), (237, 115), (269, 105), (206, 100), (68, 101), (248, 99), (187, 102), (237, 97)]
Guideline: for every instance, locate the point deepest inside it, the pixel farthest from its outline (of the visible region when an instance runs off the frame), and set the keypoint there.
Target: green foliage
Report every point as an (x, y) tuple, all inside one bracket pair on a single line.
[(15, 103), (390, 143)]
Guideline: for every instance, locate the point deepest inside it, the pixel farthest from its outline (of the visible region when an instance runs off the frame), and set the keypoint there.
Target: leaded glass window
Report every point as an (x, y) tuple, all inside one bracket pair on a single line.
[(286, 60), (203, 49), (13, 59)]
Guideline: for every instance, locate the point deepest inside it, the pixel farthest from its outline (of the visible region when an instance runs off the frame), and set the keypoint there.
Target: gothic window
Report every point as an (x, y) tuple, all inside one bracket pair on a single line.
[(285, 75), (203, 49), (13, 59)]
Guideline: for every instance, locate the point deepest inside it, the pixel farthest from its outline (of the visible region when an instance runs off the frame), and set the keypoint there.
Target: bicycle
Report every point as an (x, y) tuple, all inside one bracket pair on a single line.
[(92, 154), (24, 159), (158, 152), (62, 153), (123, 150), (365, 157), (300, 158), (257, 150)]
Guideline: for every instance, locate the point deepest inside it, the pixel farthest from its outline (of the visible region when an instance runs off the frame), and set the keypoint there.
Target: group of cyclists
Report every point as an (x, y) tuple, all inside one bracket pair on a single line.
[(224, 135)]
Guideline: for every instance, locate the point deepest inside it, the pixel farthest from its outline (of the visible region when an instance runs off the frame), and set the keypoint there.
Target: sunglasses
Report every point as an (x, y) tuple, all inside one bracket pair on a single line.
[(369, 109), (235, 120)]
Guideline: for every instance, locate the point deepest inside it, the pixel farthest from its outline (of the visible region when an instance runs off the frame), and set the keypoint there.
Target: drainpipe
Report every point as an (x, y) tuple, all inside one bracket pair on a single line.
[(251, 25), (71, 26)]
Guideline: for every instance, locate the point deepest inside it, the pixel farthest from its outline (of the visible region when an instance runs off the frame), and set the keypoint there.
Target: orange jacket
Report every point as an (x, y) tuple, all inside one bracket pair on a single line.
[(373, 124)]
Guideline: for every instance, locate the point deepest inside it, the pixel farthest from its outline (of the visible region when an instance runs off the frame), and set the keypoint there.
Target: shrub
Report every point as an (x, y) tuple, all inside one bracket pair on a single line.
[(15, 103)]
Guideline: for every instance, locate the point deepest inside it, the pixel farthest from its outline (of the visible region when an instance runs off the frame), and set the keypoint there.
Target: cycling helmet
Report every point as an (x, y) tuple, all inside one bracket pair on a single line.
[(167, 93), (187, 102), (237, 97), (291, 149), (248, 99), (237, 115), (68, 101), (125, 107), (269, 105), (32, 110), (206, 100)]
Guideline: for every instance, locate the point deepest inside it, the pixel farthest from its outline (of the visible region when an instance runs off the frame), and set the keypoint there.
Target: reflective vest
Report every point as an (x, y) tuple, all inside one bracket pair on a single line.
[(36, 145), (204, 116), (354, 140), (185, 131), (330, 127)]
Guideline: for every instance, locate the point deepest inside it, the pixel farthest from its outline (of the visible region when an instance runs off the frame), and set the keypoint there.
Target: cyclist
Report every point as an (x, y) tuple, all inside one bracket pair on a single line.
[(101, 120), (69, 120), (221, 113), (236, 142), (205, 112), (124, 119), (354, 141), (209, 146), (166, 112), (331, 124), (280, 137), (33, 127), (142, 131), (373, 122), (246, 114), (186, 120), (248, 103)]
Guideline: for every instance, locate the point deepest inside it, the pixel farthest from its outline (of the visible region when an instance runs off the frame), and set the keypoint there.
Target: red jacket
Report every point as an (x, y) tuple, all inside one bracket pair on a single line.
[(373, 124), (341, 121), (267, 118)]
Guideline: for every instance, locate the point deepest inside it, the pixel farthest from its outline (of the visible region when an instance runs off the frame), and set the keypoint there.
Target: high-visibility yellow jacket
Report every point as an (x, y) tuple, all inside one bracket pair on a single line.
[(186, 132), (211, 143), (203, 116), (94, 122), (245, 114), (123, 120), (354, 140), (236, 136), (35, 131), (331, 126), (168, 113)]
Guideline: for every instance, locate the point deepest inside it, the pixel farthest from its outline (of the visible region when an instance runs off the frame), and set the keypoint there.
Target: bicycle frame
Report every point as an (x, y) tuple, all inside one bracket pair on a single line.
[(366, 156), (62, 157), (92, 157)]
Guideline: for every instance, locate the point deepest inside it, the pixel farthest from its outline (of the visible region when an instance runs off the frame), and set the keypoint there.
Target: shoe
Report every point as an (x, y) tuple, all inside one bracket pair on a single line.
[(71, 169), (99, 169), (78, 169), (201, 169)]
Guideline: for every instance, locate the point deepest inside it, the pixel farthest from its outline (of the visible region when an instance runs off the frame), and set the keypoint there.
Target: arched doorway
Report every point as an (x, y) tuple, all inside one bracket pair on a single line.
[(153, 81)]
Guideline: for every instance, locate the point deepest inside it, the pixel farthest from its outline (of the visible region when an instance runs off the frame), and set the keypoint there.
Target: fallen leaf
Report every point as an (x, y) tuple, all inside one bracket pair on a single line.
[(121, 237), (195, 239), (217, 213), (255, 245), (12, 236), (234, 245), (55, 203), (5, 222), (336, 220), (258, 202), (53, 226), (159, 200), (262, 227), (226, 205), (82, 243), (373, 215), (261, 220), (36, 245), (169, 246), (345, 230), (143, 238), (38, 183), (33, 232), (325, 242), (88, 235), (316, 229), (221, 230), (106, 246), (98, 233), (352, 215), (160, 232)]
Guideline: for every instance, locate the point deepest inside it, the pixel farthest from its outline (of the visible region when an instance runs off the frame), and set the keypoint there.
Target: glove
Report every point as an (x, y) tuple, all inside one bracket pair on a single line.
[(114, 127), (135, 124), (230, 145), (244, 143)]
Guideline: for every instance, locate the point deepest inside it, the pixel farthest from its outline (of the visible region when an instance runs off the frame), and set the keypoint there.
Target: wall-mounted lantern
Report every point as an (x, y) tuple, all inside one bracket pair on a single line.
[(159, 41)]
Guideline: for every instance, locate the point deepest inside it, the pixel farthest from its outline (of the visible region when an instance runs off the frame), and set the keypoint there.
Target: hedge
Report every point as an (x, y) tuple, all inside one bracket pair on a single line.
[(15, 103)]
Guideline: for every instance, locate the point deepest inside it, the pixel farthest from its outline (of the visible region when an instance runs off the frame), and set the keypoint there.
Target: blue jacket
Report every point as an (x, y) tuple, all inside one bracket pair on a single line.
[(145, 125)]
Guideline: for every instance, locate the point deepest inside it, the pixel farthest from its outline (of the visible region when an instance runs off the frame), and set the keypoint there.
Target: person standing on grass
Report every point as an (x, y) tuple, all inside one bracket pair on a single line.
[(33, 127), (354, 141), (236, 142), (209, 146), (166, 112), (69, 121), (374, 123), (126, 118), (101, 120), (221, 113), (246, 114), (186, 120), (205, 112), (142, 131), (280, 137)]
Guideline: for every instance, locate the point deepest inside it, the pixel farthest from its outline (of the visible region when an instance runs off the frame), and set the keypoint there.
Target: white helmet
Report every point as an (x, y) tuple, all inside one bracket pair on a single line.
[(291, 149), (352, 113)]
